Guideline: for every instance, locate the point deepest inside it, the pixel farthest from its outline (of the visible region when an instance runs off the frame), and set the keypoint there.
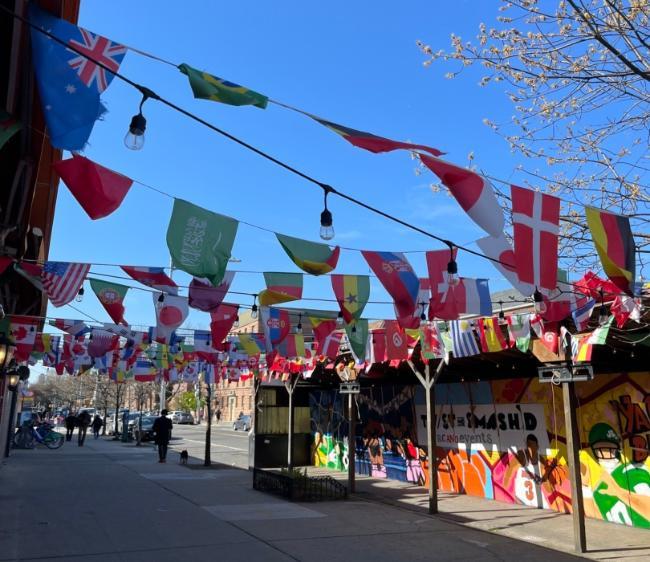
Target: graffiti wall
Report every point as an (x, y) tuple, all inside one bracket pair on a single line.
[(504, 440)]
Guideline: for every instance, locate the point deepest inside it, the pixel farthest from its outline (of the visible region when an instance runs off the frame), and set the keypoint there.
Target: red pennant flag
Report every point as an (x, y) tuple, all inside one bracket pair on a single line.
[(204, 296), (396, 341), (97, 189), (222, 321), (474, 193), (442, 304)]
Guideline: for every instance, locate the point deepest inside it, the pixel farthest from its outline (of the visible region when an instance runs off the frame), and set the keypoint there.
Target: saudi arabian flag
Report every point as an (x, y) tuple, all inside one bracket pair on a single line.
[(8, 127), (200, 241), (208, 87), (358, 338), (111, 295)]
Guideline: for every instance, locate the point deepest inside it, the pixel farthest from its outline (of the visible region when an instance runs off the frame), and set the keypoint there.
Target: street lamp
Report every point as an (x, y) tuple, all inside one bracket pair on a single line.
[(7, 348)]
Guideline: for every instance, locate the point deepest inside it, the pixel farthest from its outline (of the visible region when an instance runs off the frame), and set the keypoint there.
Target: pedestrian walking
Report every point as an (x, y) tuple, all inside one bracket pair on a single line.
[(70, 424), (83, 421), (97, 425), (218, 416), (162, 429)]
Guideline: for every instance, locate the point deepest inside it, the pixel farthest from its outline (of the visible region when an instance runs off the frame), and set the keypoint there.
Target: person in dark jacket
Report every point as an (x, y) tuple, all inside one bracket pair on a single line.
[(97, 425), (70, 424), (83, 421), (162, 429)]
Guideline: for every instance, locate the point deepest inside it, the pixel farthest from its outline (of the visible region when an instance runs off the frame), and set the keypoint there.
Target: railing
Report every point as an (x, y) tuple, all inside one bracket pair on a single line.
[(299, 487)]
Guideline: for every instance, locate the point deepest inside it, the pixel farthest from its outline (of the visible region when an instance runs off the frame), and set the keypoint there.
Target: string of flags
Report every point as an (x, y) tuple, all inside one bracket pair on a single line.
[(200, 243)]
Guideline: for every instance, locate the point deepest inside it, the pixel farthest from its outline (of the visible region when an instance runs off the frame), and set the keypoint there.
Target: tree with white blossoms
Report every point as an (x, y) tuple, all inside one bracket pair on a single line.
[(578, 75)]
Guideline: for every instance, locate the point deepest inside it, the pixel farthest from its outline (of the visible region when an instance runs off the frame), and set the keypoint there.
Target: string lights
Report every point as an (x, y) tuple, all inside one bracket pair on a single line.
[(134, 138), (80, 295), (326, 228), (254, 308), (538, 299)]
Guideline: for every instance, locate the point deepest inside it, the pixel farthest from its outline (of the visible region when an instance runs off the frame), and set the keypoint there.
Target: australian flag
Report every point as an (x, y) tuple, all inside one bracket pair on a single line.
[(69, 82)]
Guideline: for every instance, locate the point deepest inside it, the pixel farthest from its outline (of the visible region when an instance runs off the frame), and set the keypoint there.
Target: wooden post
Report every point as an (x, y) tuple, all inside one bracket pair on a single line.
[(573, 460), (290, 385), (352, 412), (428, 382)]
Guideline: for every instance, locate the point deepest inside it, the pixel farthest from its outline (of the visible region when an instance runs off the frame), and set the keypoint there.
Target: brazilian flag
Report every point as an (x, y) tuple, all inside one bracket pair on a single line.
[(209, 87)]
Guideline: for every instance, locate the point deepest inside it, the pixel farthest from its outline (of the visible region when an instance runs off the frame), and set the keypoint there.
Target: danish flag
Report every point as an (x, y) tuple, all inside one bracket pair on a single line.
[(535, 221), (94, 49)]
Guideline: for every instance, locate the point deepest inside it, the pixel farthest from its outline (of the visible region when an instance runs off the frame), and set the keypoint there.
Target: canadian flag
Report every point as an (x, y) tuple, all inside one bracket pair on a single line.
[(474, 193), (535, 222), (23, 333)]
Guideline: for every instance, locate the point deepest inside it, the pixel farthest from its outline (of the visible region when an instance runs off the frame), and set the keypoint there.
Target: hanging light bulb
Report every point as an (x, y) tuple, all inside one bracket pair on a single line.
[(134, 138), (502, 316), (540, 305), (423, 317), (236, 322), (80, 295), (339, 319), (452, 268), (603, 316), (326, 228), (299, 325), (2, 312), (354, 329), (254, 308)]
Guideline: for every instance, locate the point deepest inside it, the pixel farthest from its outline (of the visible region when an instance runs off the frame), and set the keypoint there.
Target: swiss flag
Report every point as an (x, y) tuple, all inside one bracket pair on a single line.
[(440, 305), (535, 222)]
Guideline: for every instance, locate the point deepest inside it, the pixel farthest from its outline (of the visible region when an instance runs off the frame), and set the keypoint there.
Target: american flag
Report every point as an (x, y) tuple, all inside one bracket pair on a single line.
[(95, 48), (62, 280)]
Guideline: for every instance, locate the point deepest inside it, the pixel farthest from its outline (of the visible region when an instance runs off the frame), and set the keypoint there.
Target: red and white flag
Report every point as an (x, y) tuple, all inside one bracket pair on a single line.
[(23, 334), (474, 193), (535, 222), (170, 314), (499, 249), (625, 307), (396, 341), (440, 305), (62, 280)]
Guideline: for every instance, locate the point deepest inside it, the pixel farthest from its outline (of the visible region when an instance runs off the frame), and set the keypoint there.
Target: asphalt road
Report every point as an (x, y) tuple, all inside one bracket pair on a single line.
[(228, 447)]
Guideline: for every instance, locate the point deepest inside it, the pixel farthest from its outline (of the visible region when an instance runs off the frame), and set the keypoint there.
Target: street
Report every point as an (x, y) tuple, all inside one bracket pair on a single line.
[(229, 447)]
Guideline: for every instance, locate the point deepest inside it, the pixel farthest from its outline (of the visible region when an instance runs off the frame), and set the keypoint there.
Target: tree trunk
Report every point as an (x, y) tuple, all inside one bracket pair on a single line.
[(208, 430)]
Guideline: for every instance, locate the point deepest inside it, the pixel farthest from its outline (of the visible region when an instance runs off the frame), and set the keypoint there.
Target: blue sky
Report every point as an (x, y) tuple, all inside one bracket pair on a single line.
[(355, 63)]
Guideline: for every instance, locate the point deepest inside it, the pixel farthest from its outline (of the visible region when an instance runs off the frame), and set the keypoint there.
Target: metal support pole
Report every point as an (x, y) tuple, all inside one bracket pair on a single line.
[(289, 387), (573, 461), (163, 392), (11, 428), (352, 443)]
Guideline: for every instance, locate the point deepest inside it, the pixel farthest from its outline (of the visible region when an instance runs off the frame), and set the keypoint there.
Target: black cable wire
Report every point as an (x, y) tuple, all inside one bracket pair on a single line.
[(153, 95), (148, 93)]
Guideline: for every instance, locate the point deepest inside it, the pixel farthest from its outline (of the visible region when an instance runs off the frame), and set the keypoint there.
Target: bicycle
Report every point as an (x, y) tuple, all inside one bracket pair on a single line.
[(28, 435)]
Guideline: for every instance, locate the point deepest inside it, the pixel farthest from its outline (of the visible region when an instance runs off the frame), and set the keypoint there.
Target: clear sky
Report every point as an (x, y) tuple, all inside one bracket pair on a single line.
[(355, 63)]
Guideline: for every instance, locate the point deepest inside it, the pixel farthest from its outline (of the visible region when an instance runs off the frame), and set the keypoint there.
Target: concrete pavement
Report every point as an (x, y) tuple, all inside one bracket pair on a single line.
[(113, 502)]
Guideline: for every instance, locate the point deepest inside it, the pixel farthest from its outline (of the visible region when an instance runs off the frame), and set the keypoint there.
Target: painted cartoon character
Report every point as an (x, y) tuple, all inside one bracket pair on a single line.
[(622, 492)]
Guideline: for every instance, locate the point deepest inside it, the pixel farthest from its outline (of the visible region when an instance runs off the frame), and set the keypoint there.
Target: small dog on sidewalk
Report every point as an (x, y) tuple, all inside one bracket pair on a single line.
[(184, 456)]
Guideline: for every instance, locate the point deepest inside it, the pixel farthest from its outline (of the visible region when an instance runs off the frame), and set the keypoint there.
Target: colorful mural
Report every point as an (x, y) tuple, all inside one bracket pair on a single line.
[(504, 440)]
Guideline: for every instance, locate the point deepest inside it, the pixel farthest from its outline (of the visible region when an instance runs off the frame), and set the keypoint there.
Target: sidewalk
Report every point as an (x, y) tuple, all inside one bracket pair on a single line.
[(605, 541), (110, 501)]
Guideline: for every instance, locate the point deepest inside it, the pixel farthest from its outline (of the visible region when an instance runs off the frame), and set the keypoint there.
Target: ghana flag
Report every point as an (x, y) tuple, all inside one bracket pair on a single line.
[(209, 87), (352, 293), (371, 142), (281, 287), (614, 243), (311, 257)]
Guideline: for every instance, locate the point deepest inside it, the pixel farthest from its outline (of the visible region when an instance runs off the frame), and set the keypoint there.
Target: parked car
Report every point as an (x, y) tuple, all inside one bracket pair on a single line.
[(186, 418), (244, 423), (147, 428), (181, 417)]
